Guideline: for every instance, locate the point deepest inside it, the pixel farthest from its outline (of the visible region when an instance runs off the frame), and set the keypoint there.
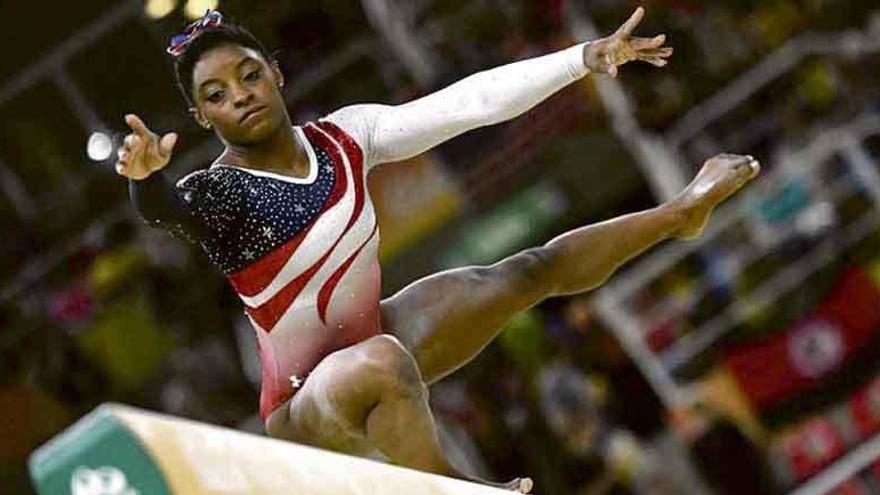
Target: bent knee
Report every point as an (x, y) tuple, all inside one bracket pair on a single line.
[(384, 359)]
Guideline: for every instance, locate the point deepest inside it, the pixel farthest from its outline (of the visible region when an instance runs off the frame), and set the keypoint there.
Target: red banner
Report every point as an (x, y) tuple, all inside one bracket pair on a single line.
[(854, 486), (864, 408), (791, 362), (813, 446)]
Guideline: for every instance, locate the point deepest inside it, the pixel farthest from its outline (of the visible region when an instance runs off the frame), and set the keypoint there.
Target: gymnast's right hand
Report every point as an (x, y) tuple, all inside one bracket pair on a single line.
[(143, 151)]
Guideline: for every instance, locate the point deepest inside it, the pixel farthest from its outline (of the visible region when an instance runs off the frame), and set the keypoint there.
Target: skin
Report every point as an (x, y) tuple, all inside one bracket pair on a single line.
[(373, 395)]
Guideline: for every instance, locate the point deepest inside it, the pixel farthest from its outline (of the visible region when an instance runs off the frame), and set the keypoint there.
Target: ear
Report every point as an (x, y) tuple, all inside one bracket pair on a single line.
[(276, 72), (199, 118)]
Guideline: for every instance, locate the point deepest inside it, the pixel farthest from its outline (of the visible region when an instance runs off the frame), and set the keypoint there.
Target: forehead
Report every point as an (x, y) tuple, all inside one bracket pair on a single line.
[(220, 60)]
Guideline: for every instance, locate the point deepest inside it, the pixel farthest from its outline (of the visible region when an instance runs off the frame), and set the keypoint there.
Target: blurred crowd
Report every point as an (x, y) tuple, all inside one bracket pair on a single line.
[(129, 314)]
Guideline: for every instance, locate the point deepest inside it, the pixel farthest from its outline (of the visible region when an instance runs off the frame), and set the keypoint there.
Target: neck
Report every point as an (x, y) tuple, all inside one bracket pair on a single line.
[(281, 152)]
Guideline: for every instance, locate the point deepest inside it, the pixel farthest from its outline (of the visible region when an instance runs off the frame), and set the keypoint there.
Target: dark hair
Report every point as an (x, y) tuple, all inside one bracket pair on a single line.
[(207, 40)]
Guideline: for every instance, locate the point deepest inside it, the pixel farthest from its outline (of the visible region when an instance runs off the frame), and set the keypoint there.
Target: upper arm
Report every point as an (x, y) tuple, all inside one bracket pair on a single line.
[(163, 204), (359, 121), (389, 133)]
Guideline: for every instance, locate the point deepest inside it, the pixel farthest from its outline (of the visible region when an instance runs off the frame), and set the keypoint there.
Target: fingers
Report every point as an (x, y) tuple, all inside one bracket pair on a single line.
[(124, 161), (657, 52), (131, 141), (133, 145), (166, 144), (126, 153), (130, 152), (120, 161), (142, 151), (137, 125), (648, 43), (656, 56), (630, 25), (655, 61)]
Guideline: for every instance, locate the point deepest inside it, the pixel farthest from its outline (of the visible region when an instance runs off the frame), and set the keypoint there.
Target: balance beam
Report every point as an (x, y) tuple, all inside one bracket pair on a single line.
[(120, 450)]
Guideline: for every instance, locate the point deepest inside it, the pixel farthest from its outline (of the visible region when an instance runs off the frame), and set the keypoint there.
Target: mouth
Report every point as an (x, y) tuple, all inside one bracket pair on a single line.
[(249, 113)]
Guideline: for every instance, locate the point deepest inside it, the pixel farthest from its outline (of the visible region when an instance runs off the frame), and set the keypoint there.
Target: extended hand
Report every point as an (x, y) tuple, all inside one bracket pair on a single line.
[(142, 151), (605, 55)]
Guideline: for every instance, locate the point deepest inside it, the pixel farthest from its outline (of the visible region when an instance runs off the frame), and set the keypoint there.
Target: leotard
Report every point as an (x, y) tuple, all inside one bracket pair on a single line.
[(302, 253)]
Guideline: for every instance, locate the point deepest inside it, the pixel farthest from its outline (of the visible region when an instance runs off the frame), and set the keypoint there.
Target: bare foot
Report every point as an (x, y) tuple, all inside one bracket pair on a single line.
[(520, 485), (720, 177)]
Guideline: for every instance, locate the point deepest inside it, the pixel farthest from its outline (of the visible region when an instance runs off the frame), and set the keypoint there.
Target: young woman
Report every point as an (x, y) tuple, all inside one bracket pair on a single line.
[(285, 214)]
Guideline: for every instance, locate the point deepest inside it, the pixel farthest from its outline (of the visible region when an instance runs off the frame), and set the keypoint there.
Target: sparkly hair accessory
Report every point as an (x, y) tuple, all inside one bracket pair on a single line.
[(179, 42)]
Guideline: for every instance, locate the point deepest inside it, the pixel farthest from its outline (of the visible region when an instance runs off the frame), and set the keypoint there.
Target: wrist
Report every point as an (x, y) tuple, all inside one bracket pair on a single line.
[(590, 57), (576, 59), (597, 58), (142, 178)]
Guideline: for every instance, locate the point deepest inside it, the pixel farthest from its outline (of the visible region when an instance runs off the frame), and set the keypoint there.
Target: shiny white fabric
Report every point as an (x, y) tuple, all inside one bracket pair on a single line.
[(392, 133)]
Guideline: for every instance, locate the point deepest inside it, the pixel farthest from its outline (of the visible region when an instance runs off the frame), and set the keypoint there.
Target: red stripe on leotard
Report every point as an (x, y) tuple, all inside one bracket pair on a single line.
[(327, 290), (255, 277), (268, 313)]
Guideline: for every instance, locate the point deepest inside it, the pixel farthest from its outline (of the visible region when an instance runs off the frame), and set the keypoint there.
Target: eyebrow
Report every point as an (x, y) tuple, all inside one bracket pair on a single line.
[(241, 62)]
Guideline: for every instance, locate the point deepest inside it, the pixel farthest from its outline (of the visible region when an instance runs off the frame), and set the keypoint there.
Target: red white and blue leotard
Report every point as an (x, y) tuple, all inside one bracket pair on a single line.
[(302, 254)]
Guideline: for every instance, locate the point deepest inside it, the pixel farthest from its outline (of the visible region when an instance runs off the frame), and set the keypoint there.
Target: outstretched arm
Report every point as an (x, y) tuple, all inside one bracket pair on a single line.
[(142, 158), (392, 133)]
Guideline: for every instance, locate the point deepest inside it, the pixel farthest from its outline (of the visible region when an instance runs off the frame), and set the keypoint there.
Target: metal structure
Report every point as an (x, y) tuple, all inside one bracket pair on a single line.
[(805, 161)]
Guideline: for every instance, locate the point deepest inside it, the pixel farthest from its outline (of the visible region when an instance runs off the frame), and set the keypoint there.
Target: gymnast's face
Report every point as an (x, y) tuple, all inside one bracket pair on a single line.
[(231, 81)]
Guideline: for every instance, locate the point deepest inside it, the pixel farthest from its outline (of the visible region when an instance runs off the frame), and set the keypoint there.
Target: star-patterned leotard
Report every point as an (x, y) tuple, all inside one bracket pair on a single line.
[(302, 254)]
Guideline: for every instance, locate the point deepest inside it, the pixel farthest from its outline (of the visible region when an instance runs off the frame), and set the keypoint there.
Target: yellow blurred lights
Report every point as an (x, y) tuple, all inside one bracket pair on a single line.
[(196, 8), (157, 9)]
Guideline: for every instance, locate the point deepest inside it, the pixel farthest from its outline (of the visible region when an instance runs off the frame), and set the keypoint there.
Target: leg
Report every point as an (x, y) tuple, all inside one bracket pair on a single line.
[(366, 397), (447, 318)]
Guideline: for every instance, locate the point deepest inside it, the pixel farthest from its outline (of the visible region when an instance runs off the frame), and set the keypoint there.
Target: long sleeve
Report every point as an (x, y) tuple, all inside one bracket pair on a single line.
[(158, 203), (391, 133)]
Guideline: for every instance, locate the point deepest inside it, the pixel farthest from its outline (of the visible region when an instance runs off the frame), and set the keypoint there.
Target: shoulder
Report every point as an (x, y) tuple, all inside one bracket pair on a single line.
[(356, 119), (350, 114), (205, 177), (356, 124), (211, 189), (193, 178)]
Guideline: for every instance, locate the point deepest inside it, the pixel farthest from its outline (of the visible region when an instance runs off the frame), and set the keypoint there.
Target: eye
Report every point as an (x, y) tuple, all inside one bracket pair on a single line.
[(252, 75), (215, 96)]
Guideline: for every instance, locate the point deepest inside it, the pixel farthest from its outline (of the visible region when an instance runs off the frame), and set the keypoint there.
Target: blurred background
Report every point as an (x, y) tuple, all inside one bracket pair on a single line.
[(744, 363)]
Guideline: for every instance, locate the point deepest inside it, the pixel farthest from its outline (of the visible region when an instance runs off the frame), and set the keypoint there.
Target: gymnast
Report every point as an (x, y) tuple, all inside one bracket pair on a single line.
[(285, 214)]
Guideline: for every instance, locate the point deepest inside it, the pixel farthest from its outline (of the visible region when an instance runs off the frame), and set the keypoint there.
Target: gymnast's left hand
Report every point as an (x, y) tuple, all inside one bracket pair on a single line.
[(607, 54)]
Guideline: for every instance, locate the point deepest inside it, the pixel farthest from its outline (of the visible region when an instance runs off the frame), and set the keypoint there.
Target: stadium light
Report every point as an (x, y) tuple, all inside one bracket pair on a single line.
[(196, 8), (157, 9), (99, 147)]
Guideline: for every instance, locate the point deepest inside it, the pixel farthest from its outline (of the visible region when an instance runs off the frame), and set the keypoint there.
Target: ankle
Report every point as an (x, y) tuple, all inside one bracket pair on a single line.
[(677, 213)]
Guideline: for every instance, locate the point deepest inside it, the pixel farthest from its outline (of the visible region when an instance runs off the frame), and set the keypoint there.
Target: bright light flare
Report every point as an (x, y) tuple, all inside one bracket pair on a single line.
[(99, 147), (196, 8), (157, 9)]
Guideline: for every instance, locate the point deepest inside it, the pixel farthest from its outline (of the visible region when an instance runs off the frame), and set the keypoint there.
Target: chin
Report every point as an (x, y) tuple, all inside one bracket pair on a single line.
[(257, 133)]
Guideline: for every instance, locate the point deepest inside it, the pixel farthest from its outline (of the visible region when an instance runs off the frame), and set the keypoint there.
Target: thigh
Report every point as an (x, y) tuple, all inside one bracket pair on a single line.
[(330, 409), (445, 318)]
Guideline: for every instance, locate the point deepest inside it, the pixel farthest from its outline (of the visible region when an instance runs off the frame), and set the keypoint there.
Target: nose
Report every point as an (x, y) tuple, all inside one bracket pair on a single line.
[(241, 95)]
